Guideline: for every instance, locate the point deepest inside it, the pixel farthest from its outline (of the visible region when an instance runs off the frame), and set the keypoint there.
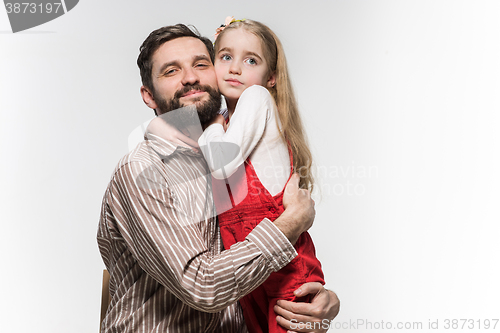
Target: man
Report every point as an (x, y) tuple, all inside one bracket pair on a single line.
[(157, 234)]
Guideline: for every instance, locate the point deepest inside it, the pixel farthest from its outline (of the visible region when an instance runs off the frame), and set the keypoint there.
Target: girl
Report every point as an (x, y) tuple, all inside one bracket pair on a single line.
[(249, 57), (253, 156)]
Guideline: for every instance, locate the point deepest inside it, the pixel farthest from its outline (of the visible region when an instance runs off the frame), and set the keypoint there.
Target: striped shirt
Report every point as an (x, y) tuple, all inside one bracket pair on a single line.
[(160, 242)]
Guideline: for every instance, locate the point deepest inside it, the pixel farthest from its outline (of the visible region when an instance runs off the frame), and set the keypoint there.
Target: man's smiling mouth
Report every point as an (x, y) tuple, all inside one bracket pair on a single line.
[(193, 93)]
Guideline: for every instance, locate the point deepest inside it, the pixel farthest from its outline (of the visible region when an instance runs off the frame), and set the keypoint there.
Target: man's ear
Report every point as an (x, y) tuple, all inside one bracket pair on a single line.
[(271, 82), (147, 97)]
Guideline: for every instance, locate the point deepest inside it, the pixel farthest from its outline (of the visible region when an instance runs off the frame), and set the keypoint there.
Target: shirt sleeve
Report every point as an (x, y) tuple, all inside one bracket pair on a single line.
[(226, 151), (173, 248)]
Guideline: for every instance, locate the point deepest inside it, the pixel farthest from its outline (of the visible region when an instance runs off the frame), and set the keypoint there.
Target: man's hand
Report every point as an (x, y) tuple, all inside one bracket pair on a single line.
[(299, 210), (301, 317), (164, 130)]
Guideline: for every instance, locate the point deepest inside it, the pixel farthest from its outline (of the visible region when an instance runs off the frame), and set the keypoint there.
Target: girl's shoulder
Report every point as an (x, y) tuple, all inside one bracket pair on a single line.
[(258, 101), (256, 92)]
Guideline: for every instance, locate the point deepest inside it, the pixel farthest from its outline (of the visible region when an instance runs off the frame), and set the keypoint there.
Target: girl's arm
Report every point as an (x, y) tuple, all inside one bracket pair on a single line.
[(226, 151)]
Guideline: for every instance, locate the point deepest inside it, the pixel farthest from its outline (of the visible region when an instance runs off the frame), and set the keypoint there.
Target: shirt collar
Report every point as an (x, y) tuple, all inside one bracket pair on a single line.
[(165, 148)]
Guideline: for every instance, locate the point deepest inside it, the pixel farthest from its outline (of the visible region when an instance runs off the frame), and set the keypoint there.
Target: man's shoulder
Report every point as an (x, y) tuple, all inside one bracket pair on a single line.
[(142, 157), (157, 161), (137, 155), (150, 158), (142, 153)]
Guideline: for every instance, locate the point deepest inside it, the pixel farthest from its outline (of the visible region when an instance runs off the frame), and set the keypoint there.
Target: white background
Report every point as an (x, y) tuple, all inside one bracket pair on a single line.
[(401, 104)]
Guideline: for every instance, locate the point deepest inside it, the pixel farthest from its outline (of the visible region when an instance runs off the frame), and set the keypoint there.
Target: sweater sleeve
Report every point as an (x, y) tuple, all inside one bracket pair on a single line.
[(226, 151)]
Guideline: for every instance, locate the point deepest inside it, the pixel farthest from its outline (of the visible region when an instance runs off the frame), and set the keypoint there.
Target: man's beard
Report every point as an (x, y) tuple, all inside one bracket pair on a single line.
[(206, 110)]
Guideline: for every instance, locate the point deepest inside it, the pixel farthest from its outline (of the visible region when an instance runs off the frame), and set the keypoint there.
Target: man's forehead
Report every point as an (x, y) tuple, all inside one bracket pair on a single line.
[(179, 50)]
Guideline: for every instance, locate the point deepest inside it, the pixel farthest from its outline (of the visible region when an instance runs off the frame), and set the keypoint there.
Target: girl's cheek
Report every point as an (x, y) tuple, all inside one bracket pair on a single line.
[(219, 71), (220, 83)]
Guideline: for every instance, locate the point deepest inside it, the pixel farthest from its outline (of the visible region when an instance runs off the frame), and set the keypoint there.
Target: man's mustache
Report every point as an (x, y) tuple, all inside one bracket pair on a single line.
[(188, 88)]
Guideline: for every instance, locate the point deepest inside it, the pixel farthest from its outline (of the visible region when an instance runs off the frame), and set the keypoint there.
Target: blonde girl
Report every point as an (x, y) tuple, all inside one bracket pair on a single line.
[(253, 153)]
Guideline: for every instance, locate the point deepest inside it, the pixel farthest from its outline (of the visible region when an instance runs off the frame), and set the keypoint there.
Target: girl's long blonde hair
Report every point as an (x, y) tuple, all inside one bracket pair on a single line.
[(292, 129)]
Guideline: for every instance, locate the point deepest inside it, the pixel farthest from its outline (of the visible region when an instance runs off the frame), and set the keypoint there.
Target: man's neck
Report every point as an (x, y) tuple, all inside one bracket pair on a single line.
[(194, 131)]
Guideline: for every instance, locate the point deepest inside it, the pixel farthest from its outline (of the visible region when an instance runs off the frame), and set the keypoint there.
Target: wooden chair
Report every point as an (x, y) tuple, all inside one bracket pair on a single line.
[(105, 299)]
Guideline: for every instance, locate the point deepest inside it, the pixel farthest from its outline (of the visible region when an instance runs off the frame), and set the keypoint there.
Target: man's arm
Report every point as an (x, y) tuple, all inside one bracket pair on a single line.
[(172, 247)]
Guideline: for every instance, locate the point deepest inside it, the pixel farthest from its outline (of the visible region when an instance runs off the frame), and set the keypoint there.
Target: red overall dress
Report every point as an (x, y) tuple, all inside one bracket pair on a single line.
[(253, 204)]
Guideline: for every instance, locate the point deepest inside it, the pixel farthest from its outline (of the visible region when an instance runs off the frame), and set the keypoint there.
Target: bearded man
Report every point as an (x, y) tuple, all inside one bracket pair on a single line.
[(158, 234)]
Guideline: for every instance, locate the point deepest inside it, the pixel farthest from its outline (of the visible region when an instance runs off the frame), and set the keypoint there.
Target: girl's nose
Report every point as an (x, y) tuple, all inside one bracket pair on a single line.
[(234, 68)]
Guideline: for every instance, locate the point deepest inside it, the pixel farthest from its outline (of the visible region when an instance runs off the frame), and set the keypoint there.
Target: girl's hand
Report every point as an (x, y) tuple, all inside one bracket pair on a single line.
[(219, 119), (164, 130)]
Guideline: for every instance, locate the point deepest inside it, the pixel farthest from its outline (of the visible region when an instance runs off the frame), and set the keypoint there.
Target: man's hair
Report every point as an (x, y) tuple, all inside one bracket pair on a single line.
[(156, 39)]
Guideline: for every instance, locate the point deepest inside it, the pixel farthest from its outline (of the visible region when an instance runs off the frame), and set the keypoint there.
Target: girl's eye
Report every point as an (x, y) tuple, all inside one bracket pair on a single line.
[(251, 61), (226, 57)]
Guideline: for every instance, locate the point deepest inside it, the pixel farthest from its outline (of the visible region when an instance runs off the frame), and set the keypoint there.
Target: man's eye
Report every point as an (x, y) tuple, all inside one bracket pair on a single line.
[(169, 72), (226, 57)]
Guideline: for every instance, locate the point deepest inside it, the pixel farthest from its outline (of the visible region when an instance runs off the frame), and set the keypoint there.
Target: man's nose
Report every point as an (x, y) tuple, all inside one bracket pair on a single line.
[(190, 77)]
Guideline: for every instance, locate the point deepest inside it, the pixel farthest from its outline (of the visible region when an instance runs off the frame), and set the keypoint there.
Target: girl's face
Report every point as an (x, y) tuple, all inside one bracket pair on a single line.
[(240, 63)]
